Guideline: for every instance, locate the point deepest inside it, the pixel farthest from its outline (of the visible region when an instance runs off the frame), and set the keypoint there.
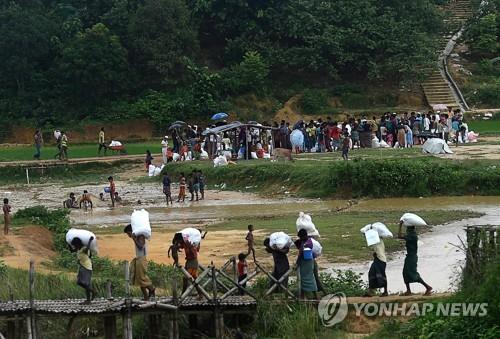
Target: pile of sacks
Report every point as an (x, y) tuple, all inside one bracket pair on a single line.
[(140, 223), (84, 236), (304, 221), (379, 144)]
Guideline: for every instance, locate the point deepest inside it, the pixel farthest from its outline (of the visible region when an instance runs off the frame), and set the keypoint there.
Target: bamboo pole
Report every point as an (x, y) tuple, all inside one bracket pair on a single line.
[(127, 317), (32, 323)]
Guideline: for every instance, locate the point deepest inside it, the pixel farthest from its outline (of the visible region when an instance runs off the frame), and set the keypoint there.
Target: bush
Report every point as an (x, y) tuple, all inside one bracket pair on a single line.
[(347, 282)]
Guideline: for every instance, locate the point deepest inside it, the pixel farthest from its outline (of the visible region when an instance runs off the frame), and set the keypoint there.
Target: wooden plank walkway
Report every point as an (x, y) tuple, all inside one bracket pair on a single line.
[(119, 305)]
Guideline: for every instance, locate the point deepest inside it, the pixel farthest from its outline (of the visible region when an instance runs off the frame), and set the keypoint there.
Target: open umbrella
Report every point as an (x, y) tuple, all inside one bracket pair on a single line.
[(219, 116), (177, 125)]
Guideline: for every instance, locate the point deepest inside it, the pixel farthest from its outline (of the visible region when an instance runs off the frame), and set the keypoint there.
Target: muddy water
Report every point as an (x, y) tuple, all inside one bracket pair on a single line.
[(439, 259)]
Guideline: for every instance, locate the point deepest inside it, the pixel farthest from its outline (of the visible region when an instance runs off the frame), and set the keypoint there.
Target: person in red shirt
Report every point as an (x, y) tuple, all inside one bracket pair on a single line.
[(242, 271), (191, 252), (335, 135)]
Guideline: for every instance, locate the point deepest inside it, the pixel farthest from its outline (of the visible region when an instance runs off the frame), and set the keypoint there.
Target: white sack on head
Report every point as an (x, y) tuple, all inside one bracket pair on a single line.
[(140, 223), (304, 221), (280, 240), (382, 230), (191, 235), (84, 236), (410, 219)]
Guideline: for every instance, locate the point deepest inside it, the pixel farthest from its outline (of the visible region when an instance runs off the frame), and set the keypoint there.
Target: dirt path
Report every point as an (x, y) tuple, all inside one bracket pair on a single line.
[(46, 163), (440, 257)]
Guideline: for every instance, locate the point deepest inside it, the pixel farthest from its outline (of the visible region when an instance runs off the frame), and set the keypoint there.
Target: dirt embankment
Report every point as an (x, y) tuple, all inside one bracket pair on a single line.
[(30, 242)]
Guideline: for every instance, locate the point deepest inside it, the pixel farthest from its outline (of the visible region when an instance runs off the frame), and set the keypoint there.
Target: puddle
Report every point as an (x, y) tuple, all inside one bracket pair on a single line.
[(439, 259)]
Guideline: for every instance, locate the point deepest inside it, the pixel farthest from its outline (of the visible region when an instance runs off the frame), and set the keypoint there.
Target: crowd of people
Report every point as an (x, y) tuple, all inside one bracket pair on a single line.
[(305, 263)]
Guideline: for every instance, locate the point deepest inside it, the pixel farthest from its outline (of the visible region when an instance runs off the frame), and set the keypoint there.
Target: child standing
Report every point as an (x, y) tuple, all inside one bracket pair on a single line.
[(346, 143), (166, 188), (174, 249), (6, 215), (112, 190), (201, 179), (250, 241), (242, 270), (182, 188), (84, 278)]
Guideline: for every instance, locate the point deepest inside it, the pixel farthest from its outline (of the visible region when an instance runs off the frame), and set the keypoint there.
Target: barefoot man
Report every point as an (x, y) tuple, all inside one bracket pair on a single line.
[(410, 273)]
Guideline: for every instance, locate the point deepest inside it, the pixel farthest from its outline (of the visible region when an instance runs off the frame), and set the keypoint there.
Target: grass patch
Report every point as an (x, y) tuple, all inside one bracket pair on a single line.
[(84, 173), (340, 234), (491, 127), (378, 178), (25, 152)]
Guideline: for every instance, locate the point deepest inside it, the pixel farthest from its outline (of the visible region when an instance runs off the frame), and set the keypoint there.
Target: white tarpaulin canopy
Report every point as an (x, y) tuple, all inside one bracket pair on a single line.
[(436, 146)]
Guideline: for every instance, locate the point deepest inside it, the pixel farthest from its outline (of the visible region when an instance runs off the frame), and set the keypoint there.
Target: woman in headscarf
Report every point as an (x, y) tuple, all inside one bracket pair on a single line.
[(305, 264), (410, 273), (376, 274), (280, 259)]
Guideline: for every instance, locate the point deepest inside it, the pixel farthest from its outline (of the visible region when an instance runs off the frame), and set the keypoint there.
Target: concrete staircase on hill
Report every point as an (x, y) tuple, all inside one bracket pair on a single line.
[(436, 87)]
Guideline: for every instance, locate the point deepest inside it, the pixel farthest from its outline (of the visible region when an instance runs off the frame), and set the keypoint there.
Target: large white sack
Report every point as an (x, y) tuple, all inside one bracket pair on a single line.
[(140, 223), (317, 248), (176, 157), (372, 237), (366, 228), (157, 171), (280, 240), (203, 155), (220, 161), (304, 221), (436, 146), (151, 170), (410, 219), (191, 235), (253, 155), (84, 236), (382, 230), (228, 155)]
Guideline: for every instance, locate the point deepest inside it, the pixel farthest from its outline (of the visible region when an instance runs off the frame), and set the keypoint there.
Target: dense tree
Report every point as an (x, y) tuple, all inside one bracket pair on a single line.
[(64, 59), (161, 35), (92, 67)]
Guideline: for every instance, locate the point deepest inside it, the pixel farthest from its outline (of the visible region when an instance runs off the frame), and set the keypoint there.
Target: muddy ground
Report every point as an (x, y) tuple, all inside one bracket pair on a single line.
[(439, 258)]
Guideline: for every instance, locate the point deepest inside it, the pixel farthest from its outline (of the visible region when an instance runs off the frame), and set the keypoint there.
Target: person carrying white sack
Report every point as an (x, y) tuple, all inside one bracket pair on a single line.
[(138, 265), (410, 273), (376, 275)]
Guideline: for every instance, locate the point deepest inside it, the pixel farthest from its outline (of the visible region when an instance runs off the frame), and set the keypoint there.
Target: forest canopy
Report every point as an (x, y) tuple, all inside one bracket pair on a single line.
[(168, 59)]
